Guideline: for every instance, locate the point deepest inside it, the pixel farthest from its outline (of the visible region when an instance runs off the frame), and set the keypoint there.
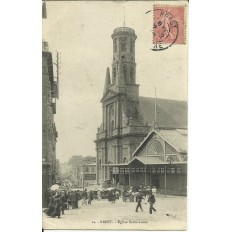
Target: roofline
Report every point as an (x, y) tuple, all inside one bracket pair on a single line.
[(142, 143), (164, 162), (157, 131), (165, 99), (114, 165), (179, 150)]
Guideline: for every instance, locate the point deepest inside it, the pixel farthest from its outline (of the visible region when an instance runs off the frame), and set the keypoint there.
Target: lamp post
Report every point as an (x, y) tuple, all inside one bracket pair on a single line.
[(169, 160)]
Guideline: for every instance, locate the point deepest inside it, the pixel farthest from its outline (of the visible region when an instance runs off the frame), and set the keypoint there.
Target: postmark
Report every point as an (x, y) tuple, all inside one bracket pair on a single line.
[(168, 26)]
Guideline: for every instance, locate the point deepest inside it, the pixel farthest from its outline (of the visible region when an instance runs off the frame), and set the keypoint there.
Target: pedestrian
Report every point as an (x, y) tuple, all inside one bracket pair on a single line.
[(63, 201), (84, 197), (117, 194), (110, 196), (139, 200), (113, 196), (57, 206), (49, 211), (89, 196), (73, 199), (151, 200), (68, 196), (99, 194)]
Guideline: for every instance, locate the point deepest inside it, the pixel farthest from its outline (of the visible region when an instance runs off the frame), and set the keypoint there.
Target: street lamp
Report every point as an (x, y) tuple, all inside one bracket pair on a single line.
[(169, 160)]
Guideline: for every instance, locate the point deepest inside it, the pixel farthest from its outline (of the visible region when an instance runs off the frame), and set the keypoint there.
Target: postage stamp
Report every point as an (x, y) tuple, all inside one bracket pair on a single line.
[(168, 26)]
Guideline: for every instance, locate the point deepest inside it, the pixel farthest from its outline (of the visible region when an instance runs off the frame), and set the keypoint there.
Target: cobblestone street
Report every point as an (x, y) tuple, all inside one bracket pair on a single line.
[(170, 215)]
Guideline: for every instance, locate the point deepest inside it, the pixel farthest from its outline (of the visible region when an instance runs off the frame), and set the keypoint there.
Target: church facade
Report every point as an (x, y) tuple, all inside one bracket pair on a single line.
[(128, 118)]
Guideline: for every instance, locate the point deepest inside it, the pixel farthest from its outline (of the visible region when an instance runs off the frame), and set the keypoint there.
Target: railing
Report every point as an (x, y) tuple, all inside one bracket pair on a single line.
[(124, 29)]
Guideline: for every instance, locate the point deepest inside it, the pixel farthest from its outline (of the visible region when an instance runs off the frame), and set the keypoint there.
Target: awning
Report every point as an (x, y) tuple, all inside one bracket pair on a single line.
[(151, 160), (114, 165), (146, 160)]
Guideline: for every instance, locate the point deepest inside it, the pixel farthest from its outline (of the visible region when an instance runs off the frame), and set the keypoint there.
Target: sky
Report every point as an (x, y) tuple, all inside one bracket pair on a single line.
[(81, 32)]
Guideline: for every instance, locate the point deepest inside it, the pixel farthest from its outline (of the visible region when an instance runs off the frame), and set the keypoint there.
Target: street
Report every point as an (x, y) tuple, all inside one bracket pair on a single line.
[(171, 214)]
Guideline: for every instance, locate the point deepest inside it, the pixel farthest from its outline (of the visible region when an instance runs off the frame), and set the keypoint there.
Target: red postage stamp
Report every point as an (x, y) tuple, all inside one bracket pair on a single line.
[(168, 26)]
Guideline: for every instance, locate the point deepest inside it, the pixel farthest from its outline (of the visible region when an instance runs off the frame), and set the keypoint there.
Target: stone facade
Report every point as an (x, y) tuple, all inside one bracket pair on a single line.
[(127, 118), (49, 133), (122, 127)]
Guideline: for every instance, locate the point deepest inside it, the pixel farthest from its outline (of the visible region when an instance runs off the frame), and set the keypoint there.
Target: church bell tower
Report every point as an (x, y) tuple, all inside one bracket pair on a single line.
[(123, 65), (121, 130)]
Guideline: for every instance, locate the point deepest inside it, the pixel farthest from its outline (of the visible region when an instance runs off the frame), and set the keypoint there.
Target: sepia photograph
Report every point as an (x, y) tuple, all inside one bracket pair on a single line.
[(114, 115)]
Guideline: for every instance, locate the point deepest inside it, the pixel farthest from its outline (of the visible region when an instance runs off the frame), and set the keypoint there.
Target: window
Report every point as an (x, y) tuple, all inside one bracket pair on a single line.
[(100, 163), (125, 160), (131, 46), (155, 148), (115, 45), (173, 170), (112, 127), (131, 74), (123, 41), (124, 71), (114, 74)]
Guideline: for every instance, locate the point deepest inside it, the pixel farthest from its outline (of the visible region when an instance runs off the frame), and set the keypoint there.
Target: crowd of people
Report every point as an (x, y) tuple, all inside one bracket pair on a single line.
[(59, 201)]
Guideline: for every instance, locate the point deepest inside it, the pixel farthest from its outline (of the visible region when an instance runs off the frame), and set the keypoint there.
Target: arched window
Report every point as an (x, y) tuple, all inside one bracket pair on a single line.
[(100, 163), (124, 160), (155, 148)]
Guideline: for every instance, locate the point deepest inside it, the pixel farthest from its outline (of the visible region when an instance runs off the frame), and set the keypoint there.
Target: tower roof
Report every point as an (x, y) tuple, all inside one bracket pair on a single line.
[(124, 31)]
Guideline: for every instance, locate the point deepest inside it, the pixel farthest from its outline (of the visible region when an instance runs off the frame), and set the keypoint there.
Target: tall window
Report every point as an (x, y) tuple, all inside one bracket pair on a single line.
[(114, 74), (131, 74), (123, 41), (100, 163), (131, 46), (115, 45), (124, 72)]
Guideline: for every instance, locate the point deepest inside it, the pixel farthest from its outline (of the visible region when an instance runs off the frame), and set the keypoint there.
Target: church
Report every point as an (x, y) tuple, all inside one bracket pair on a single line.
[(141, 140)]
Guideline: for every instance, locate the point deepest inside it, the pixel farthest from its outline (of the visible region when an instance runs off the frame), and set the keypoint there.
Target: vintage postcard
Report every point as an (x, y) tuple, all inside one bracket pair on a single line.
[(115, 104)]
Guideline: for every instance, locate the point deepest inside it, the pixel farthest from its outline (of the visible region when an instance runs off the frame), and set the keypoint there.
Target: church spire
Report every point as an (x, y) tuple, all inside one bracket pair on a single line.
[(107, 80)]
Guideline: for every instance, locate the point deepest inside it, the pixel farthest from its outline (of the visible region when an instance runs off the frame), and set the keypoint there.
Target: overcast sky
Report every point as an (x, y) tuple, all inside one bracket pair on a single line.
[(82, 31)]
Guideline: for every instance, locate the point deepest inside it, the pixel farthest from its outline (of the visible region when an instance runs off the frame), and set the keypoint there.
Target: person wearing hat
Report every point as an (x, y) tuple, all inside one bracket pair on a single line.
[(151, 200), (57, 206), (63, 201), (139, 200)]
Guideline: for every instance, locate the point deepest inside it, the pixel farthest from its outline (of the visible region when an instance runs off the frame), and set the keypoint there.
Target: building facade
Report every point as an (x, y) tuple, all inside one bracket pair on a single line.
[(89, 174), (161, 161), (49, 132), (128, 118)]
